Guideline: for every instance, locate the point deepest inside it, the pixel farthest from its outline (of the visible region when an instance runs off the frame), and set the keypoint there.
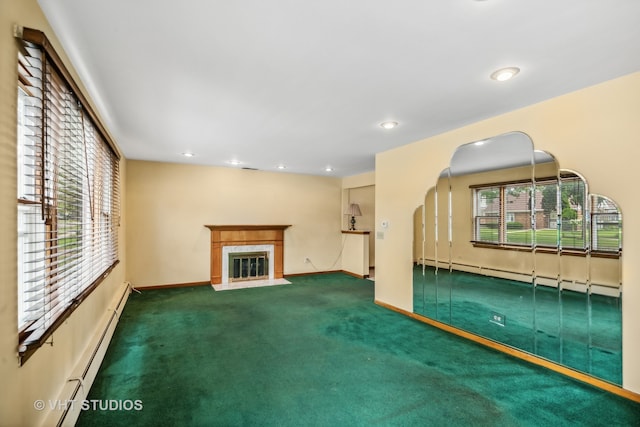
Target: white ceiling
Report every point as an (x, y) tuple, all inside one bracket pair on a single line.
[(307, 83)]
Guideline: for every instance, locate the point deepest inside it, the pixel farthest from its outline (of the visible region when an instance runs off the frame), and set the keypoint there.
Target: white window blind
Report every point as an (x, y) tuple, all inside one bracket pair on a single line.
[(68, 195), (606, 225), (487, 216), (552, 213)]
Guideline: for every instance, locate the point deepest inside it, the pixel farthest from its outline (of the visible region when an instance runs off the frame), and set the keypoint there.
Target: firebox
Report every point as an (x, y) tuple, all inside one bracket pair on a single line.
[(248, 266)]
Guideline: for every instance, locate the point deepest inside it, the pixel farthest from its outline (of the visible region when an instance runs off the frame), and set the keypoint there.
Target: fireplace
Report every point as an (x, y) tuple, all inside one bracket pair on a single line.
[(256, 250), (247, 262), (248, 266)]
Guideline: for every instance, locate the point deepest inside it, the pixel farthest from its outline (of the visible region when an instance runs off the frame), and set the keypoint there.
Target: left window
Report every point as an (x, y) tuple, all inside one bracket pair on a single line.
[(67, 195)]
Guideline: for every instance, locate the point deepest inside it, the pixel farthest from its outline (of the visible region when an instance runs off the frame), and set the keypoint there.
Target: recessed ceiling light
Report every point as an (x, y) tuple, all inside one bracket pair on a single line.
[(281, 167), (504, 74), (389, 125), (234, 162), (188, 154), (328, 169)]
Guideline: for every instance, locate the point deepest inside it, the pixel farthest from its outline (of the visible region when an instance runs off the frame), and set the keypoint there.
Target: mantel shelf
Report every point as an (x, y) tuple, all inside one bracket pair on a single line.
[(246, 227)]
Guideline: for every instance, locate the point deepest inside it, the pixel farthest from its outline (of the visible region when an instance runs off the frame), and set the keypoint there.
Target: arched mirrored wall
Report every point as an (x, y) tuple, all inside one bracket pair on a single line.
[(511, 247)]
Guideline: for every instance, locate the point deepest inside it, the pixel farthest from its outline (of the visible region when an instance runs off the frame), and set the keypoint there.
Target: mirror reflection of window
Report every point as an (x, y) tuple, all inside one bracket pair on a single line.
[(544, 254), (487, 215), (547, 217), (573, 233), (606, 223), (518, 214)]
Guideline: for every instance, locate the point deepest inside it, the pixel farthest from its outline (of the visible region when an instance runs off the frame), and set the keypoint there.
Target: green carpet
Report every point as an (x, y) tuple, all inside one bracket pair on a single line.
[(318, 352), (569, 329)]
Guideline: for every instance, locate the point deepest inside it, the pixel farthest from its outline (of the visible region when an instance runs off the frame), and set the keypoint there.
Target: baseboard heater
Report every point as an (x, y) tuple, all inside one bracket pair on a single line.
[(547, 281), (96, 350)]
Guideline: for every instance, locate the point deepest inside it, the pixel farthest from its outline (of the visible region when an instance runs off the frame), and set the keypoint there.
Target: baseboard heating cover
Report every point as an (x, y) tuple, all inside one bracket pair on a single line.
[(77, 387)]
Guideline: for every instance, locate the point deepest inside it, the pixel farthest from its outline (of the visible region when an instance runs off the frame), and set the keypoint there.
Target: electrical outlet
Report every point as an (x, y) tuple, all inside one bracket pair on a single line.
[(307, 260), (498, 318)]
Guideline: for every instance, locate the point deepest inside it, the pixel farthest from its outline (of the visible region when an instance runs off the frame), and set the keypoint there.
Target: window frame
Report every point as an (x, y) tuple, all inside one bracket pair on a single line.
[(587, 220), (60, 298)]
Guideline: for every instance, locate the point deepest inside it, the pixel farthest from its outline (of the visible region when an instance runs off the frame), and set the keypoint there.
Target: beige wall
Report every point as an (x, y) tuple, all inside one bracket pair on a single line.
[(169, 204), (360, 180), (45, 373), (594, 131)]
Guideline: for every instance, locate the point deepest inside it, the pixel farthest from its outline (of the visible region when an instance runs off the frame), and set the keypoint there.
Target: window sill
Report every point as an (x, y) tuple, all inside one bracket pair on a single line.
[(27, 348), (547, 250)]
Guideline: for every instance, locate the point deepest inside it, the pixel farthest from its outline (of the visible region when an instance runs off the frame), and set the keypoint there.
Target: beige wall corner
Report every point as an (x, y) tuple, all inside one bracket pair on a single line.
[(360, 180)]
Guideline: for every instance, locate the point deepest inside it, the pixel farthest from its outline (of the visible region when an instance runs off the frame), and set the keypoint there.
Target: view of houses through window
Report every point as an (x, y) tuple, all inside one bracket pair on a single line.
[(552, 214)]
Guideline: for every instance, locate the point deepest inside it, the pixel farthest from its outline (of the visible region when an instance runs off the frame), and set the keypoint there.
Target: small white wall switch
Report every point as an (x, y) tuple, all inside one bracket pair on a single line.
[(380, 235)]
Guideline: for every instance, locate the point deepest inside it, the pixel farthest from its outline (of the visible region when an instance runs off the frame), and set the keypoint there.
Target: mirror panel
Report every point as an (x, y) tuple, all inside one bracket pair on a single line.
[(516, 250), (605, 294), (547, 310), (573, 214), (492, 293), (418, 260), (442, 249), (606, 334), (430, 294)]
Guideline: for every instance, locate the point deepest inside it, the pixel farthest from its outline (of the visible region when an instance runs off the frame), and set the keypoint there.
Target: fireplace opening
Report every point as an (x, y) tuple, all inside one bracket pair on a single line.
[(248, 266)]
